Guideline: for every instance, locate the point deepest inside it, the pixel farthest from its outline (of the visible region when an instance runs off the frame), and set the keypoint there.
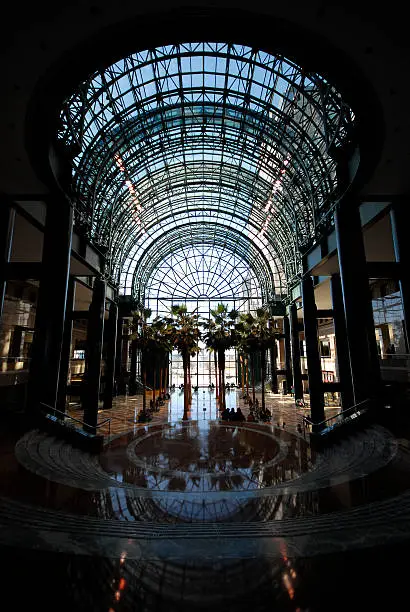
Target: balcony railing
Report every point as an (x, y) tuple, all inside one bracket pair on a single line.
[(395, 367), (14, 370), (349, 414)]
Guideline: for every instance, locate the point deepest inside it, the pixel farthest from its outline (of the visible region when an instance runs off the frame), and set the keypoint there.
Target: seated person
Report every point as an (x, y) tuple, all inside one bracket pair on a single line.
[(239, 415), (232, 415), (251, 417), (225, 414)]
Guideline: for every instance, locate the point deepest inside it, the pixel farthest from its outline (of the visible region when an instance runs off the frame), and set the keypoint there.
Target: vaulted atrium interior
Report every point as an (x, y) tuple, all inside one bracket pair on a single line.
[(205, 144), (204, 306)]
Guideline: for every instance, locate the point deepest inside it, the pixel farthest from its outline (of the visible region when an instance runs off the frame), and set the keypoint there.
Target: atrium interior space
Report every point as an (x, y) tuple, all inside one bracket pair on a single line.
[(204, 308)]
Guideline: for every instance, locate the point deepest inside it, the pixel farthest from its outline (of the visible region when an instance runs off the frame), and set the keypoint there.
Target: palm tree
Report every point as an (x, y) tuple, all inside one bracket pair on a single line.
[(219, 336), (154, 341), (256, 335), (140, 336), (158, 349), (184, 335)]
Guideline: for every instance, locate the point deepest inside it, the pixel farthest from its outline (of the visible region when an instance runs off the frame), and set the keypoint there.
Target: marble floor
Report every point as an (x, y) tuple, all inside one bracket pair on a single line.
[(200, 514), (123, 416)]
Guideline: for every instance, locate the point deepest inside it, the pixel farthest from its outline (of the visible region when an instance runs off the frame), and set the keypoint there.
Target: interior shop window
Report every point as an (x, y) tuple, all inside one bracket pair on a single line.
[(324, 348), (17, 324), (328, 377), (78, 354), (388, 317)]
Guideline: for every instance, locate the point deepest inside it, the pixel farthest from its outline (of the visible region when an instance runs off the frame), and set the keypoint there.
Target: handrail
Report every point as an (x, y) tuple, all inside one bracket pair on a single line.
[(335, 416), (68, 416), (141, 384)]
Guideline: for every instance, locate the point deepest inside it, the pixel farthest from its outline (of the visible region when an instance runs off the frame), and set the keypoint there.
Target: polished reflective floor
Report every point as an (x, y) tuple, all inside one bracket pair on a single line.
[(204, 514)]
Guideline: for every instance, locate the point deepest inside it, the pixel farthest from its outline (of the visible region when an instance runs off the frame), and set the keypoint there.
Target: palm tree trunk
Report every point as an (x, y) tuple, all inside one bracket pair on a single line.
[(216, 373), (263, 372), (144, 391), (185, 362), (219, 398), (247, 376), (253, 376), (189, 381), (221, 361), (242, 362), (154, 382)]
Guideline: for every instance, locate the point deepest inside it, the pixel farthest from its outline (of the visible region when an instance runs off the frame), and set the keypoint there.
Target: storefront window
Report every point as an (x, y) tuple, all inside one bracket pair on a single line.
[(388, 317), (16, 331)]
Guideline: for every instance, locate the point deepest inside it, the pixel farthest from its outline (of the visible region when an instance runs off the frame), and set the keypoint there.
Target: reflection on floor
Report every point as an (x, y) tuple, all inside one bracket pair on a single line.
[(201, 514), (123, 415)]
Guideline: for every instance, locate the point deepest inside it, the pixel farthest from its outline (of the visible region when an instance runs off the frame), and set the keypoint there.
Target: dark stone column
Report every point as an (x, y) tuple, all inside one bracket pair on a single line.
[(7, 218), (398, 217), (273, 369), (95, 336), (288, 366), (317, 409), (125, 356), (111, 339), (297, 371), (364, 359), (118, 351), (51, 302), (133, 368), (66, 346), (342, 346), (16, 340)]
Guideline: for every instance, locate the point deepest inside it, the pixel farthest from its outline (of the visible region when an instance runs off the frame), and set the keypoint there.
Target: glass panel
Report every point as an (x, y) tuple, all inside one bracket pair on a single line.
[(215, 144)]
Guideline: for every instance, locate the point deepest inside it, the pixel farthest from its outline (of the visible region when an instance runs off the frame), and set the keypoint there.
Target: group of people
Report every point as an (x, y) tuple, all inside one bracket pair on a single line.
[(228, 386), (145, 416), (159, 401), (259, 414), (256, 412), (231, 415)]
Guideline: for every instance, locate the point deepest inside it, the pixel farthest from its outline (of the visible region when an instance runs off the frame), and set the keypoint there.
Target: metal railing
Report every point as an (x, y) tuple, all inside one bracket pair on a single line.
[(83, 423), (337, 419), (400, 359), (395, 367), (141, 384), (11, 361)]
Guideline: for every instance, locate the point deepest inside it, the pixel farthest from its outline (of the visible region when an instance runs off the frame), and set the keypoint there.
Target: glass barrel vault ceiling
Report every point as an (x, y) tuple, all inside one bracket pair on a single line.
[(210, 146)]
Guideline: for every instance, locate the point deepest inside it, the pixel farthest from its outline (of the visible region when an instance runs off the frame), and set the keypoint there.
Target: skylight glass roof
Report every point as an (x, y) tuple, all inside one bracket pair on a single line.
[(204, 144)]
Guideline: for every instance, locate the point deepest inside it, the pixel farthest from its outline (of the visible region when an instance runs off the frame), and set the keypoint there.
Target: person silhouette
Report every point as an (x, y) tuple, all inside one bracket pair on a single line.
[(239, 415)]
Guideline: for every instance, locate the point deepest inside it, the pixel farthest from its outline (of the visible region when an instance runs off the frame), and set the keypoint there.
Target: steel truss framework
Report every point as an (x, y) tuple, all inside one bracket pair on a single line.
[(204, 145)]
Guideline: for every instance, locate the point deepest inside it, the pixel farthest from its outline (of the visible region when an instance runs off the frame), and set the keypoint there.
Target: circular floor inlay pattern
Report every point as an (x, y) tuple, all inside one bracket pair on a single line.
[(205, 456), (276, 462), (143, 518)]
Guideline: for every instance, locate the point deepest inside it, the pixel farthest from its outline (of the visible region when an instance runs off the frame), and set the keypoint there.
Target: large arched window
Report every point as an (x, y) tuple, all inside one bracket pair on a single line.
[(192, 139)]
